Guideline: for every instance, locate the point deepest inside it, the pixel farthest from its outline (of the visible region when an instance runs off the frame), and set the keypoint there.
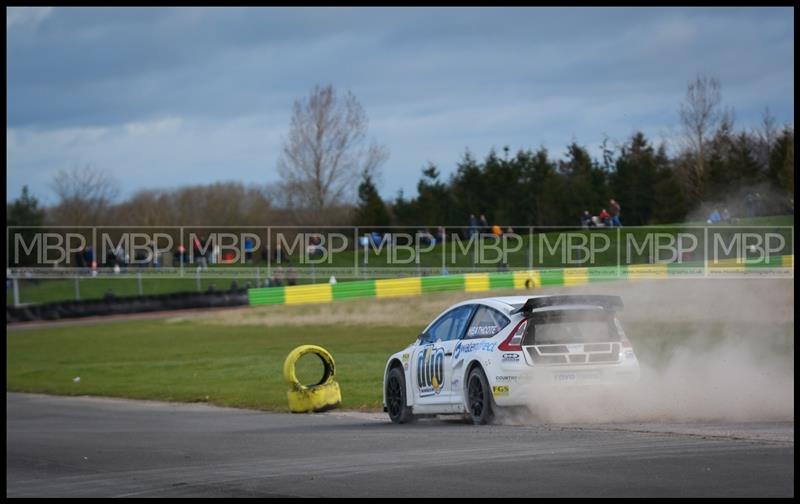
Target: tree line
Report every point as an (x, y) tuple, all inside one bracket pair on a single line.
[(532, 188)]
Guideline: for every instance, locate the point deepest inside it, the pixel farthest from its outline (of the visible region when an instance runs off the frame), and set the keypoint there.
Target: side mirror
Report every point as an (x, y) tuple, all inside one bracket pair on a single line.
[(421, 337)]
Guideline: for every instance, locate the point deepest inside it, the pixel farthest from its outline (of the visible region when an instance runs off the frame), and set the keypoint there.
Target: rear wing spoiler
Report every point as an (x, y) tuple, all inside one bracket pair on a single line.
[(606, 302)]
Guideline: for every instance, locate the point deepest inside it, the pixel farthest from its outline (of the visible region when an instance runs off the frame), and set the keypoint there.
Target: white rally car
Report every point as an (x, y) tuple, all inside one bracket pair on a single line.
[(484, 354)]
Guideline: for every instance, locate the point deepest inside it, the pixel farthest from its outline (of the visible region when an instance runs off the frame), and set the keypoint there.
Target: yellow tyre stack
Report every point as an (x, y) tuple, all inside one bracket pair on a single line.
[(323, 396)]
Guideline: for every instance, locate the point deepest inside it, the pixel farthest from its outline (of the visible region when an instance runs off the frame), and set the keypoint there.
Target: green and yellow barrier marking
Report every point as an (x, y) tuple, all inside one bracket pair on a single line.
[(576, 276), (476, 282), (398, 287), (315, 293), (480, 282)]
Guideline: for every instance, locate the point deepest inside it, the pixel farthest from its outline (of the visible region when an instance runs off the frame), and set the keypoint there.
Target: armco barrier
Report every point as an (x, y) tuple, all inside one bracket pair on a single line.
[(124, 305), (478, 282)]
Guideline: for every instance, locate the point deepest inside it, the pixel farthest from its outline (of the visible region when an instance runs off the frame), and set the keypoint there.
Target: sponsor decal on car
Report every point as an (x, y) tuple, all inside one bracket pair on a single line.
[(465, 348), (576, 377), (482, 330), (506, 378), (430, 371), (510, 357), (501, 390)]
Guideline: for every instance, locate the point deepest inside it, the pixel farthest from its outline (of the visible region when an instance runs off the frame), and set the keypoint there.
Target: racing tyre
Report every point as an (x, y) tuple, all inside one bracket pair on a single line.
[(396, 404), (480, 402)]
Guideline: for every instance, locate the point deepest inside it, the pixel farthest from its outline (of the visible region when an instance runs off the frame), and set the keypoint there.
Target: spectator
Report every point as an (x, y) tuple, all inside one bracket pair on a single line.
[(88, 257), (425, 237), (615, 212), (473, 225), (180, 254), (279, 254), (111, 258), (749, 205), (440, 234), (154, 254), (726, 216), (484, 225), (122, 257), (605, 217), (497, 231), (714, 217), (249, 247), (197, 252), (586, 220), (314, 248)]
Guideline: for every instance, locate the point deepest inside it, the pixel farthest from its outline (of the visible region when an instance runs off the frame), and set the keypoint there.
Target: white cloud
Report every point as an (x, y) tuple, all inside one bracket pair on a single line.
[(21, 16)]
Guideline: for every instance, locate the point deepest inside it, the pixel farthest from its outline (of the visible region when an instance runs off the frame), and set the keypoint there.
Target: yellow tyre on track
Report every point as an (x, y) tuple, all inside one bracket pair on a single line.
[(322, 396)]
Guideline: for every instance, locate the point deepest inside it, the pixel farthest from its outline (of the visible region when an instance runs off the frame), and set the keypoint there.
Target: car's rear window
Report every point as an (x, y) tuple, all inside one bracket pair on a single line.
[(486, 323), (571, 326)]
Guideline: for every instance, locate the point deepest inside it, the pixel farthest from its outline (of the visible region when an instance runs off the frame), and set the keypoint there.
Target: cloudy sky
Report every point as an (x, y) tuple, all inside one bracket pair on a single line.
[(164, 97)]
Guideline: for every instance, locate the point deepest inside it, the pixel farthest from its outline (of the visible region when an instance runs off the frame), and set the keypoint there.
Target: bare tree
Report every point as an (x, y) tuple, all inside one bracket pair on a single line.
[(768, 128), (700, 114), (84, 194), (325, 151), (766, 135)]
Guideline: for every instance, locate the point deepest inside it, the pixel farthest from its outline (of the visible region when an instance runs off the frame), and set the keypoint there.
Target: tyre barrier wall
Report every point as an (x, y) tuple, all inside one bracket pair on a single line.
[(322, 396), (125, 305), (476, 282)]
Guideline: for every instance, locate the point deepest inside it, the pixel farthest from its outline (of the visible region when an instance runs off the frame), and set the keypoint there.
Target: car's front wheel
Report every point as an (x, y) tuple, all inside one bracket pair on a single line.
[(479, 398), (396, 404)]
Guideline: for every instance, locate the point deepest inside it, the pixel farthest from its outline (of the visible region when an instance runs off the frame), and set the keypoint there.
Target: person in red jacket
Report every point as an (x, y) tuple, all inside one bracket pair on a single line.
[(605, 217)]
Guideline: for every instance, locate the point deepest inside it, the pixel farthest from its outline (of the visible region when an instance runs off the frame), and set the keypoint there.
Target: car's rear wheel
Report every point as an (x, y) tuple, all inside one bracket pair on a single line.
[(480, 402), (396, 404)]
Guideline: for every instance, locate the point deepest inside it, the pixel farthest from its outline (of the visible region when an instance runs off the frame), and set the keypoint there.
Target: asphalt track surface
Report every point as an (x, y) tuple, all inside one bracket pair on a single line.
[(79, 446)]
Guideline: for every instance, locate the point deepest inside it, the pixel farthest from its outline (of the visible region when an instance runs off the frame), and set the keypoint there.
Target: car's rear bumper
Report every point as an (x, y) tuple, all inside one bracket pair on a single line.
[(521, 389)]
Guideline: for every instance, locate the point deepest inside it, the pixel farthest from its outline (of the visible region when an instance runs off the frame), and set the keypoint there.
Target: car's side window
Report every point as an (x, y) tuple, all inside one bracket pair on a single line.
[(486, 323), (451, 326)]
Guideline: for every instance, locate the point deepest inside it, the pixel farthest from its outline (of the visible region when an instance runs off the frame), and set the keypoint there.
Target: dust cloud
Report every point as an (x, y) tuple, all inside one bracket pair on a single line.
[(764, 200), (709, 350)]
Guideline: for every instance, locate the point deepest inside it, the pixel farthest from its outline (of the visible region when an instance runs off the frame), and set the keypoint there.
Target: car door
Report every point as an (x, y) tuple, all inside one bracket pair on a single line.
[(432, 362)]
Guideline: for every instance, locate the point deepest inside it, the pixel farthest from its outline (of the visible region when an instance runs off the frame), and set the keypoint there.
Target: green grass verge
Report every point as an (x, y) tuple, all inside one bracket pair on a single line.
[(228, 366), (241, 366)]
